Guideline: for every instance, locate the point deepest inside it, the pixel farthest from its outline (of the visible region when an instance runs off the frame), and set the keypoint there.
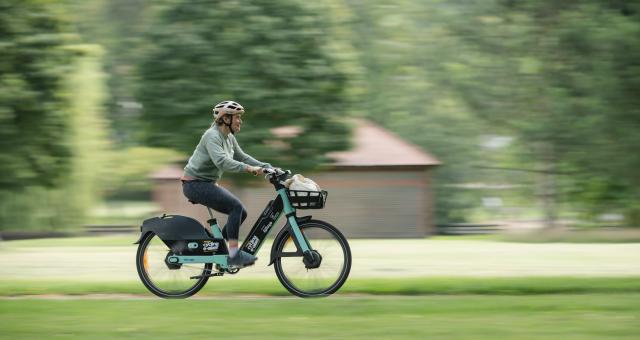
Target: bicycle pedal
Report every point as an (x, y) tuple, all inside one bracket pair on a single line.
[(228, 270), (232, 270)]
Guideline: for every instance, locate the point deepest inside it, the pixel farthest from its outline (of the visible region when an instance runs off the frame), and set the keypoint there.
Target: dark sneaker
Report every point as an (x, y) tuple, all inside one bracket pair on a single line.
[(242, 259)]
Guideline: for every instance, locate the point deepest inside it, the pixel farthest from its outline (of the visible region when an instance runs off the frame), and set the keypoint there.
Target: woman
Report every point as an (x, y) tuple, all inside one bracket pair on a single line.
[(217, 152)]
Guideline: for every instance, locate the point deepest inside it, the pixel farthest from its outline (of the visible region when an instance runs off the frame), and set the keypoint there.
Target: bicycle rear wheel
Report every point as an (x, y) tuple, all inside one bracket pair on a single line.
[(322, 276), (167, 280)]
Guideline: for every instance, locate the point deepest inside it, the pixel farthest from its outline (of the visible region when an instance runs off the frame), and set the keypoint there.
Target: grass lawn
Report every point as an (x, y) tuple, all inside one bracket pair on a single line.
[(578, 316), (384, 286), (442, 289), (112, 259)]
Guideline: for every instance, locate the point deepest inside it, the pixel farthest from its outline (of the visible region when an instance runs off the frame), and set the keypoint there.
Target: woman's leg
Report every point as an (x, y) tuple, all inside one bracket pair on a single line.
[(220, 200)]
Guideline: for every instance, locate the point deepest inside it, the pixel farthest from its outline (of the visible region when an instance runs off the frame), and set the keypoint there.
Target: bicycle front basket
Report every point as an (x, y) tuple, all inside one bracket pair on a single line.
[(301, 199)]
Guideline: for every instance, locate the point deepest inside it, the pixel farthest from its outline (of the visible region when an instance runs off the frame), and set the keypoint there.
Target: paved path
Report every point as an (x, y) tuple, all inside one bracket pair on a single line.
[(371, 258)]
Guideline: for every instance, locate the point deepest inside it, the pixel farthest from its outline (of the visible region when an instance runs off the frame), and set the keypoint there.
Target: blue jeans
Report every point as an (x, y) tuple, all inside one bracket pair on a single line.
[(220, 200)]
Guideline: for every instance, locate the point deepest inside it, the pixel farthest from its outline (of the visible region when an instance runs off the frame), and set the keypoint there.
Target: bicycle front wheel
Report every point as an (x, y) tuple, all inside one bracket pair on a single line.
[(168, 280), (326, 272)]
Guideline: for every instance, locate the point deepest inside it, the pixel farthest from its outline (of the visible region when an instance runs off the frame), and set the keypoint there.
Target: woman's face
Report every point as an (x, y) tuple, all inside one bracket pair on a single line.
[(236, 122)]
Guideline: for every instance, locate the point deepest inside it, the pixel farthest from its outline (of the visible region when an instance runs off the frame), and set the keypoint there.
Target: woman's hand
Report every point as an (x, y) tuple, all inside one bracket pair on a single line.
[(255, 170)]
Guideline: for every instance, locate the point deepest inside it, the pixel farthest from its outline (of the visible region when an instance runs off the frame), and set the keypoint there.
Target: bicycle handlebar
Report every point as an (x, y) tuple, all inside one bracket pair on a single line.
[(276, 174), (276, 171)]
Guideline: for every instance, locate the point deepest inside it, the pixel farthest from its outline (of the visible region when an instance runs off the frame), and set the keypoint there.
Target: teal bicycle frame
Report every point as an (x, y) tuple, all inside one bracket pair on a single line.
[(253, 242)]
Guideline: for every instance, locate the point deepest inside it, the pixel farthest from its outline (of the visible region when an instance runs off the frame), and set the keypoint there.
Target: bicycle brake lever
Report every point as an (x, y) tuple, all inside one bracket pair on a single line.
[(269, 172)]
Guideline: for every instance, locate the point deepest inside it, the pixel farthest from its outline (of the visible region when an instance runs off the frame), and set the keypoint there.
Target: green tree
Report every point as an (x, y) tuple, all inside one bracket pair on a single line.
[(51, 128), (559, 76), (399, 43), (556, 76), (34, 113), (92, 164), (280, 59), (118, 26)]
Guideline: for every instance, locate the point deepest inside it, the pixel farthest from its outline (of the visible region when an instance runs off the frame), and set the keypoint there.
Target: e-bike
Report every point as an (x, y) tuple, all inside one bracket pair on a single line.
[(177, 255)]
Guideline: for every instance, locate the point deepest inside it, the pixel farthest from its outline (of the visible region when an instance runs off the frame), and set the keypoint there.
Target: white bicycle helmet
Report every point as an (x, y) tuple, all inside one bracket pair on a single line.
[(226, 107)]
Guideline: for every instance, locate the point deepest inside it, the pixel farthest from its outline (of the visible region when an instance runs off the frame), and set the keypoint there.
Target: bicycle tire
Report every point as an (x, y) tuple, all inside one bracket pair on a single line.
[(153, 287), (289, 283)]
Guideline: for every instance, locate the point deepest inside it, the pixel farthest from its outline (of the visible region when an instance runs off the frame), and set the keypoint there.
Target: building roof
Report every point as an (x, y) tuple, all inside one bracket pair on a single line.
[(376, 146)]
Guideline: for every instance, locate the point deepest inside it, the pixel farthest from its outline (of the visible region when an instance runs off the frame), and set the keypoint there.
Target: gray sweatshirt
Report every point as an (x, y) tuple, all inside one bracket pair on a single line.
[(216, 154)]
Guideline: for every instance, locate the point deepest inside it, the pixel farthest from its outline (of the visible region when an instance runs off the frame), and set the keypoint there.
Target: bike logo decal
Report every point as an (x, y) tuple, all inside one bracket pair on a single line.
[(193, 245), (253, 243), (210, 246), (266, 211), (266, 227)]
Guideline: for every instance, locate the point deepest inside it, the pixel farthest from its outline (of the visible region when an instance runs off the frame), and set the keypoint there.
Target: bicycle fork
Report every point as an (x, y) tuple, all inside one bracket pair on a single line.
[(311, 258), (298, 237)]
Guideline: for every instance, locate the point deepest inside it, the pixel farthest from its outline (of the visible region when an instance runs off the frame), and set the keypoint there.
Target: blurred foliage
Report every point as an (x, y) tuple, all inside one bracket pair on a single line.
[(132, 167), (277, 58), (558, 77), (118, 26), (89, 132), (63, 205), (399, 42), (34, 113), (36, 117)]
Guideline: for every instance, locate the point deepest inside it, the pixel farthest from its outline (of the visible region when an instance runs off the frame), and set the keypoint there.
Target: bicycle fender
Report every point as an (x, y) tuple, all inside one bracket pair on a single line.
[(284, 230), (142, 235), (173, 228)]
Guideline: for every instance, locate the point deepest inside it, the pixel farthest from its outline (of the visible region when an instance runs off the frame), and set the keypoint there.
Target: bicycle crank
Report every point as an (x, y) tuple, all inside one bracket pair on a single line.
[(207, 275)]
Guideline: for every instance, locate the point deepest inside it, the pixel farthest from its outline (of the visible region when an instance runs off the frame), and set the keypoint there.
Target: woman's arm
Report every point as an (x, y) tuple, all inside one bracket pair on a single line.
[(240, 156), (220, 158)]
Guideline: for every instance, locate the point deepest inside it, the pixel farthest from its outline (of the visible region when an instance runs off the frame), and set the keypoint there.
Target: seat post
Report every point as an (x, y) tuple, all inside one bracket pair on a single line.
[(210, 213), (213, 225)]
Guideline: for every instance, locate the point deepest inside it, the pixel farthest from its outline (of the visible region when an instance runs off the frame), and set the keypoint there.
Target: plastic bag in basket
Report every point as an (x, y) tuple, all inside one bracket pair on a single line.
[(299, 182)]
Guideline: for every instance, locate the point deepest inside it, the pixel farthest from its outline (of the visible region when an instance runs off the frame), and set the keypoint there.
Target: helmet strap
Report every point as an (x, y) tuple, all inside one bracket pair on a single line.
[(229, 124)]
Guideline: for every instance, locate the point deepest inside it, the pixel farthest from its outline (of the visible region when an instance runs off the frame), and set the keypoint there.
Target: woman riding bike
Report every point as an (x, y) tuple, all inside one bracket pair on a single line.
[(218, 151)]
